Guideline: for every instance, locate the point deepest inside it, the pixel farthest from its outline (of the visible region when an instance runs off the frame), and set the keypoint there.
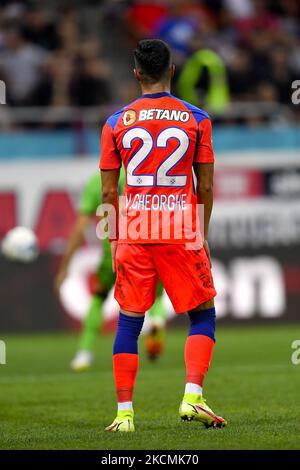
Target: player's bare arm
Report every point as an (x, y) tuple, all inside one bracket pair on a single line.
[(110, 181), (205, 173), (75, 240)]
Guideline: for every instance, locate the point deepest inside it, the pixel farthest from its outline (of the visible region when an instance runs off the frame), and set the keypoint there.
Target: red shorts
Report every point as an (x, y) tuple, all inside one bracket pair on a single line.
[(185, 275)]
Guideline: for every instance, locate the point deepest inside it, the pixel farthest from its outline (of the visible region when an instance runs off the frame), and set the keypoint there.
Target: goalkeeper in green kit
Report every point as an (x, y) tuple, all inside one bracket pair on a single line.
[(105, 279)]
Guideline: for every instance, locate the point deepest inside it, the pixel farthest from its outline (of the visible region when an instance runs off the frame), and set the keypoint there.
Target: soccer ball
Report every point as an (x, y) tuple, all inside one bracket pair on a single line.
[(20, 244)]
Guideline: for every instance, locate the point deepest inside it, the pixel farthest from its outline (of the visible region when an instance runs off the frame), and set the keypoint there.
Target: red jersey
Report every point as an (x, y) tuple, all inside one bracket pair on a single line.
[(158, 137)]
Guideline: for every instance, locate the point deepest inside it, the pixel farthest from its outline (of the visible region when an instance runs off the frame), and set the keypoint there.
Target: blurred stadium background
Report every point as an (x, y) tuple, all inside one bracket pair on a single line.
[(67, 66)]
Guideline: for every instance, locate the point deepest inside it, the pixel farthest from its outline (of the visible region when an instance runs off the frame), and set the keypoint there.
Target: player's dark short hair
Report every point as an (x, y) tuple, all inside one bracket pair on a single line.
[(152, 58)]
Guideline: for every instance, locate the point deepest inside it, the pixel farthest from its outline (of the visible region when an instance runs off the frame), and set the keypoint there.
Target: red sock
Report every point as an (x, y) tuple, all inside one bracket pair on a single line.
[(197, 354), (125, 370)]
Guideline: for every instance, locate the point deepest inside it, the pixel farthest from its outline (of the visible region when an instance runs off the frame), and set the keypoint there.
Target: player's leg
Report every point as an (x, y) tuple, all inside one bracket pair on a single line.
[(154, 340), (135, 292), (199, 346), (198, 354), (125, 366), (90, 329), (103, 281), (191, 290)]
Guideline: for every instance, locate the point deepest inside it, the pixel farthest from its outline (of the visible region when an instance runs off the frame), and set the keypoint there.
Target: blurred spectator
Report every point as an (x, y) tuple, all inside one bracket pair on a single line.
[(53, 87), (53, 57), (39, 29), (213, 92), (143, 16), (89, 84), (239, 8), (79, 80), (178, 29), (239, 71), (266, 92), (69, 29), (260, 18), (294, 59), (281, 74), (21, 66)]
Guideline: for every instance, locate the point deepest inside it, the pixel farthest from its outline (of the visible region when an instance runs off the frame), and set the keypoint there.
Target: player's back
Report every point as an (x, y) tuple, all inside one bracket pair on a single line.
[(158, 137)]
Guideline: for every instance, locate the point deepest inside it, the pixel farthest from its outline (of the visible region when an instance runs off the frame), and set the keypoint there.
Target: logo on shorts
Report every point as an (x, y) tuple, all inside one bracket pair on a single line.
[(129, 117)]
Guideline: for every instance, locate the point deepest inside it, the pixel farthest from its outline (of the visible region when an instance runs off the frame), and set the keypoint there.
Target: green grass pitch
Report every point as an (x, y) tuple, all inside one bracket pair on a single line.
[(252, 383)]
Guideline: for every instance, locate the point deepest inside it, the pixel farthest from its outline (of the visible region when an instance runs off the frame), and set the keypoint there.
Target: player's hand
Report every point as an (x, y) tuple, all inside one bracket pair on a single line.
[(59, 279), (207, 251), (113, 249)]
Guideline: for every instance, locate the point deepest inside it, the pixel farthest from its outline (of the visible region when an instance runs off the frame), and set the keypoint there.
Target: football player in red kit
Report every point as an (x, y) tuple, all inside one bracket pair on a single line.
[(165, 146)]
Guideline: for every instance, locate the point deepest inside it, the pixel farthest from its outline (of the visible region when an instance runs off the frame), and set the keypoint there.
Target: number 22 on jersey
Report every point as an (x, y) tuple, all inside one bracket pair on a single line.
[(161, 177)]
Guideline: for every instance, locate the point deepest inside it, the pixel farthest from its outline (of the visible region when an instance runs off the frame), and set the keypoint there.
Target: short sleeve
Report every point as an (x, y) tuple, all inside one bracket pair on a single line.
[(204, 152), (109, 155)]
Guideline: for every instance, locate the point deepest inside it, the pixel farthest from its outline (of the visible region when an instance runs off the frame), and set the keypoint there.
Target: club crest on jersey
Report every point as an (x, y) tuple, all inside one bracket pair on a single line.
[(129, 117)]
